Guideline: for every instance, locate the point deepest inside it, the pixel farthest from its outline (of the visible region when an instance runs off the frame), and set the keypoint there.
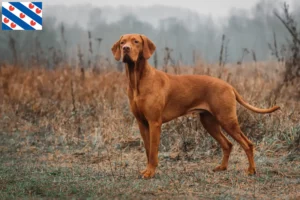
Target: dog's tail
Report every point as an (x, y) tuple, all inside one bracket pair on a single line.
[(254, 109)]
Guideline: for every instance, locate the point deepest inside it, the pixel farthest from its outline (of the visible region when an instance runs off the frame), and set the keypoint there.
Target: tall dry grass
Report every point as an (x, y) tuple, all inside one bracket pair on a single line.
[(72, 106)]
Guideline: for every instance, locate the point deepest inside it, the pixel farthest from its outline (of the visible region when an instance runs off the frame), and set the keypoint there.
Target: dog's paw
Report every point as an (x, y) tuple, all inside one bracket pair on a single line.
[(149, 172), (143, 171), (251, 171), (220, 168)]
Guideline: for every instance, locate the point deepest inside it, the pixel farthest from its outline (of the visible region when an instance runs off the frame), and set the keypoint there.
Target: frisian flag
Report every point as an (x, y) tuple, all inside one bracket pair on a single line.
[(22, 16)]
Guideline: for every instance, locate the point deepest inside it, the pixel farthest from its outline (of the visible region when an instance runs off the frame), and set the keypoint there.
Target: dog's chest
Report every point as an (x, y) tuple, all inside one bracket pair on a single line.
[(137, 106), (135, 109)]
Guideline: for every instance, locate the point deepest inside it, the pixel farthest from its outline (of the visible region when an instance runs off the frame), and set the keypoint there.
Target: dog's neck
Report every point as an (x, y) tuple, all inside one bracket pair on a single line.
[(135, 71)]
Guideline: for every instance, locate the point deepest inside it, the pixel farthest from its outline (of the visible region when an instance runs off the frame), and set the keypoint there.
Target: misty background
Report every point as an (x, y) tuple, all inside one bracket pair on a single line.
[(77, 33)]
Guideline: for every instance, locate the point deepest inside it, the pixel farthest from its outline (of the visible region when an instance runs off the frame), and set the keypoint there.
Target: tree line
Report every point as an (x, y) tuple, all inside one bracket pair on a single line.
[(244, 35)]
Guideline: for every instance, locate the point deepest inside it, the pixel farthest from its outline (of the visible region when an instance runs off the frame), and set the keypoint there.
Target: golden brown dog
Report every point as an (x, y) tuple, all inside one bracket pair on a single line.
[(156, 97)]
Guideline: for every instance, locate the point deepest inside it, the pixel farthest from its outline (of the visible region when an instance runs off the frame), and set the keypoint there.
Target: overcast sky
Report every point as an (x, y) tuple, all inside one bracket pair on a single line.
[(217, 8)]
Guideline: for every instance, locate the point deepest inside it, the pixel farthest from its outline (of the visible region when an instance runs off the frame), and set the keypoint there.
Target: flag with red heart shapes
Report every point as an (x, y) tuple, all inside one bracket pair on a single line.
[(22, 16)]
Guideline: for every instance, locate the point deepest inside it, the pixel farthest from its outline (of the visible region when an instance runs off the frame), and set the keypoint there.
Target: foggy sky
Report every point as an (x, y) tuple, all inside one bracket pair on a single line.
[(216, 8), (250, 26)]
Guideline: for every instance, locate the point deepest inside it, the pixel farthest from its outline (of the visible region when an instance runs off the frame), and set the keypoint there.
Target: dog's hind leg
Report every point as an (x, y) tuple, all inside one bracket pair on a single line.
[(214, 129), (232, 127)]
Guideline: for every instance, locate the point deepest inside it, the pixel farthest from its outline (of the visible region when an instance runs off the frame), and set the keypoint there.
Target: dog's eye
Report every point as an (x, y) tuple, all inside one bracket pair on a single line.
[(121, 43), (136, 41)]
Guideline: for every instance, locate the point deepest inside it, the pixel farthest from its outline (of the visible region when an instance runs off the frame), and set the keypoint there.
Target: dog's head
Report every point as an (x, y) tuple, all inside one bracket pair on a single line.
[(131, 47)]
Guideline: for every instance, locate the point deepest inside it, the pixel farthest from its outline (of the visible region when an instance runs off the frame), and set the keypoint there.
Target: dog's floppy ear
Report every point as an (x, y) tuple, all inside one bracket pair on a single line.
[(116, 49), (148, 47)]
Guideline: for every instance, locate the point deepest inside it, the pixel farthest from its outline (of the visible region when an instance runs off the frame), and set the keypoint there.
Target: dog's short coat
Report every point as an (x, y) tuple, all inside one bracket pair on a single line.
[(157, 97)]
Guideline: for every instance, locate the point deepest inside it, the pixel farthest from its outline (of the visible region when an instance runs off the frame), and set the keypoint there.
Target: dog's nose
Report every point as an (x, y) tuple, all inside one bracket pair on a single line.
[(126, 48)]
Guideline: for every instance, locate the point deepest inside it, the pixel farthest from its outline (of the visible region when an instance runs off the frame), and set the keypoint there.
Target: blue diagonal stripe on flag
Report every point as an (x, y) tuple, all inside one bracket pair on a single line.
[(5, 27), (22, 15), (38, 4)]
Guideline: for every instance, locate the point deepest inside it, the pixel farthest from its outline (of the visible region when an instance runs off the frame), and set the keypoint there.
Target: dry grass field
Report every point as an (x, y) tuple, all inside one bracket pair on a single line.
[(70, 134)]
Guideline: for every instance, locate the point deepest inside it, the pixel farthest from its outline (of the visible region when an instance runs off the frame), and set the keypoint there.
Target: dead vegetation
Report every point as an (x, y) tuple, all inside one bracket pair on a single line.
[(290, 54), (56, 125)]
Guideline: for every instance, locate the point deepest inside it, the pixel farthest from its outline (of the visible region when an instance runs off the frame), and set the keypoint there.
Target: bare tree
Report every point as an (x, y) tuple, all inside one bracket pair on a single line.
[(292, 62)]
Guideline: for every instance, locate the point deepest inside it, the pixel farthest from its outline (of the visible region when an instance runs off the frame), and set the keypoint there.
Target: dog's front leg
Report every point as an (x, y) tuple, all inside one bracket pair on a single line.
[(154, 129), (144, 130)]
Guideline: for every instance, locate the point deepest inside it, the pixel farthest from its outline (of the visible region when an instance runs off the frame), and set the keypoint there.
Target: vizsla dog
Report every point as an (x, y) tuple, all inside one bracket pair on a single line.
[(157, 97)]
